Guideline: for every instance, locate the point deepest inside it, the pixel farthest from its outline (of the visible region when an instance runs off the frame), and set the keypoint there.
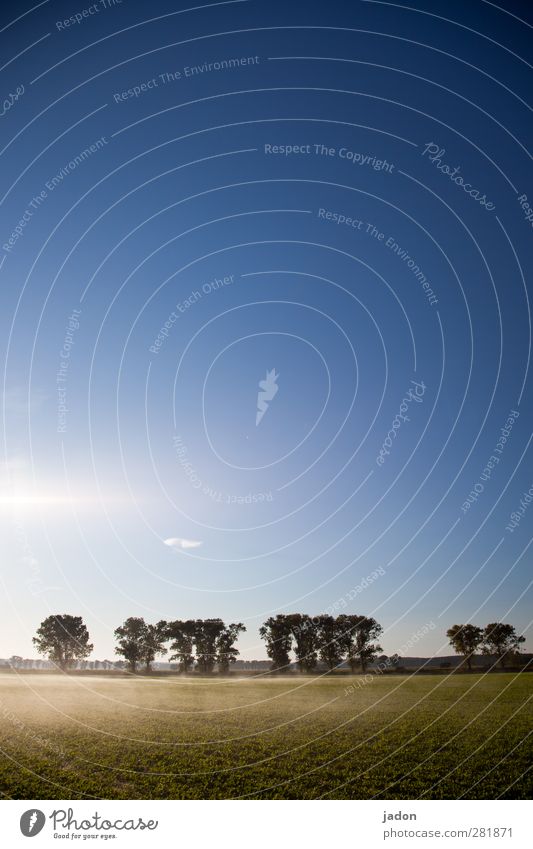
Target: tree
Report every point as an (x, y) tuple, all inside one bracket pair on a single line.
[(130, 637), (181, 632), (225, 645), (155, 637), (304, 632), (278, 637), (206, 635), (466, 640), (501, 640), (329, 639), (358, 632), (348, 624), (64, 639)]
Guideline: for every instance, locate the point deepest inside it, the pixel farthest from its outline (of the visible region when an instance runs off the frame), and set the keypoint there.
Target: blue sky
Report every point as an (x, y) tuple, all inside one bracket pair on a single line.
[(204, 242)]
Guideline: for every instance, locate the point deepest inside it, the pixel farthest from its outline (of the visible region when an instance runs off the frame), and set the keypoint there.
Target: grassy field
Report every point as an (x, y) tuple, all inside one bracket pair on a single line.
[(394, 737)]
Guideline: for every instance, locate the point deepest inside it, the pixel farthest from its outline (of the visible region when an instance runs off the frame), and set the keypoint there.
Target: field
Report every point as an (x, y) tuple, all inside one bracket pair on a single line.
[(432, 736)]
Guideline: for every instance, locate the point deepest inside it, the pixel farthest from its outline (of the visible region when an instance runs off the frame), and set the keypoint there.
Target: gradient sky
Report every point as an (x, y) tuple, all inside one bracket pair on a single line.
[(180, 216)]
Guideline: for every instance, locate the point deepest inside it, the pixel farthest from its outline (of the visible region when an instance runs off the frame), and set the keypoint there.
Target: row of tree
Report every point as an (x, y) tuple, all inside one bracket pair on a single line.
[(200, 643), (204, 644), (498, 639), (329, 639)]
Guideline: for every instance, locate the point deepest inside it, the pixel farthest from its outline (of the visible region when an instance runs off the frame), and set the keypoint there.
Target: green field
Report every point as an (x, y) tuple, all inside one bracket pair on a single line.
[(432, 736)]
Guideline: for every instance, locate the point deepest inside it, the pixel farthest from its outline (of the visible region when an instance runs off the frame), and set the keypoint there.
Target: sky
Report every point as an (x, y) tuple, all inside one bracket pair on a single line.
[(265, 316)]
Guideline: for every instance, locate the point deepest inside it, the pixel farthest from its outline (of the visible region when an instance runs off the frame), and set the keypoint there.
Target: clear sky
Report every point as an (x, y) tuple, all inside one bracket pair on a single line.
[(327, 198)]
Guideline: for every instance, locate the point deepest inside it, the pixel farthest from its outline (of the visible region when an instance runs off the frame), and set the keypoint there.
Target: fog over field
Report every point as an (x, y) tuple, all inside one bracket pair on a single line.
[(402, 737)]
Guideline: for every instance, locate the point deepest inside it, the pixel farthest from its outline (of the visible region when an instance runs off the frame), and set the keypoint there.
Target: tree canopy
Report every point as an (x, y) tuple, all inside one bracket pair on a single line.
[(501, 640), (64, 639), (466, 640)]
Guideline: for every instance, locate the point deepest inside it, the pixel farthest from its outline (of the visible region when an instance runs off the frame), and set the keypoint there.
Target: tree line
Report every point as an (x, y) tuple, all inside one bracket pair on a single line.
[(498, 639), (194, 643), (327, 638), (208, 644), (199, 643)]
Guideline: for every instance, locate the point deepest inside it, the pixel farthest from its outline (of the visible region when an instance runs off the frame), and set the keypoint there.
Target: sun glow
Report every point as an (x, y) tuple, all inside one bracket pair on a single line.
[(20, 490), (24, 499), (26, 496)]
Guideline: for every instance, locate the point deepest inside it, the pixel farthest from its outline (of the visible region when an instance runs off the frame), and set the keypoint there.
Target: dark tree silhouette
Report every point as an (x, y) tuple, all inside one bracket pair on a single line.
[(466, 640), (130, 637), (155, 637), (182, 632), (304, 632), (501, 640), (358, 633), (64, 639), (278, 638), (206, 635), (225, 645), (329, 640)]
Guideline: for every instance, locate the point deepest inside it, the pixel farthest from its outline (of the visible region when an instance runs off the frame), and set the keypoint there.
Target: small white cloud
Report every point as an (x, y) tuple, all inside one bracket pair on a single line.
[(181, 543)]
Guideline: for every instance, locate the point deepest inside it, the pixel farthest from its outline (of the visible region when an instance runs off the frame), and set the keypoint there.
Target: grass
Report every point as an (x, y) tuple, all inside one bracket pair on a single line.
[(406, 737)]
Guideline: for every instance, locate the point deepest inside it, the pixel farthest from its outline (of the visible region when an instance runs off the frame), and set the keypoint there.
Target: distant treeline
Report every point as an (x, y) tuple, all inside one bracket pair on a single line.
[(204, 645)]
